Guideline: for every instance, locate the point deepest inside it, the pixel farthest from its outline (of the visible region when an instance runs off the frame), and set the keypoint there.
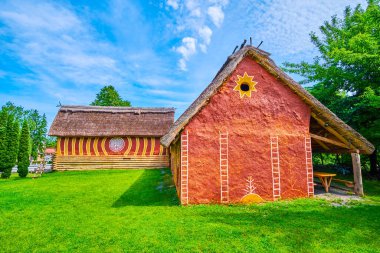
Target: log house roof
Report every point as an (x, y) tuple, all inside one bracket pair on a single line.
[(93, 121)]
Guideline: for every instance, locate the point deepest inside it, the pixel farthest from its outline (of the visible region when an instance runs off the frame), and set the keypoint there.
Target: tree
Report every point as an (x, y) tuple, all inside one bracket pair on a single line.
[(23, 151), (37, 125), (346, 74), (51, 141), (38, 134), (11, 145), (108, 96), (18, 112), (3, 148), (38, 130)]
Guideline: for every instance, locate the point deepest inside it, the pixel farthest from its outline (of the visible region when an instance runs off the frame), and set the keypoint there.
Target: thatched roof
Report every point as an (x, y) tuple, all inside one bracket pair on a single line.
[(355, 140), (111, 121)]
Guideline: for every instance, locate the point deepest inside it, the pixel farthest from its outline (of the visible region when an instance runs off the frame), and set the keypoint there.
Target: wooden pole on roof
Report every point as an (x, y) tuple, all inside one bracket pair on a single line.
[(356, 167), (243, 44)]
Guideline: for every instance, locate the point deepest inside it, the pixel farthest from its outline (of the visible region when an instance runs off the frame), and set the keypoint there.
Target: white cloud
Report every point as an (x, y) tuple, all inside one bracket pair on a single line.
[(191, 4), (284, 25), (187, 49), (205, 34), (45, 17), (193, 20), (182, 64), (53, 41), (219, 2), (216, 14), (173, 4), (194, 8), (196, 12), (68, 60)]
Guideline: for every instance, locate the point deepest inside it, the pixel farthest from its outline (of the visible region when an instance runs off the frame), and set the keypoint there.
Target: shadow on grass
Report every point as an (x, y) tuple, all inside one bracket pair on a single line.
[(152, 188)]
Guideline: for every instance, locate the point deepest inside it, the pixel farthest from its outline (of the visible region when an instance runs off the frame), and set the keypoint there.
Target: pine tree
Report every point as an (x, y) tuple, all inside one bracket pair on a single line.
[(11, 144), (36, 122), (3, 127), (23, 151)]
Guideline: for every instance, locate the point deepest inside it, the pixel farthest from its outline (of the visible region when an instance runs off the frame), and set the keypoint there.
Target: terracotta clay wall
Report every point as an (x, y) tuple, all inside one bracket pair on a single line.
[(250, 122)]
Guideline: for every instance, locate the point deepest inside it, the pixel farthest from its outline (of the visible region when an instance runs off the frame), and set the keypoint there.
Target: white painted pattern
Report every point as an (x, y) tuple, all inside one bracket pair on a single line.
[(223, 167), (309, 167), (184, 168), (116, 144), (275, 160)]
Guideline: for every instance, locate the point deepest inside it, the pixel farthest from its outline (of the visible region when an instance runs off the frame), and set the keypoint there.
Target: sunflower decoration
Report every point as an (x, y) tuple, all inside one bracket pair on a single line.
[(245, 85)]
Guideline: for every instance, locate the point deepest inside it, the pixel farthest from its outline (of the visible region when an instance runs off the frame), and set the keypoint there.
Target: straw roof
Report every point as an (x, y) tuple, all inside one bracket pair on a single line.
[(355, 140), (111, 121)]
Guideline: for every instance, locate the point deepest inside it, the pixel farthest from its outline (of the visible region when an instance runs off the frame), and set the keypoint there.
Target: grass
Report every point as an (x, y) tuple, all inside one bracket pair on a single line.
[(137, 210)]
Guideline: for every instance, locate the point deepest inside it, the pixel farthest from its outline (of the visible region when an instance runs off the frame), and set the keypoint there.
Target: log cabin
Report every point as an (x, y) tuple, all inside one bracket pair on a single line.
[(104, 137)]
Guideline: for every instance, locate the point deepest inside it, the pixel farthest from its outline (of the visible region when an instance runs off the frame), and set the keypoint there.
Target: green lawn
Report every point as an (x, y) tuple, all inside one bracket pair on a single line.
[(137, 210)]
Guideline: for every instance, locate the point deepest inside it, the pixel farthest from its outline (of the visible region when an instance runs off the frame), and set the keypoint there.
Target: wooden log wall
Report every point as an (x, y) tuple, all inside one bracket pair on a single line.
[(96, 153), (110, 162), (175, 163)]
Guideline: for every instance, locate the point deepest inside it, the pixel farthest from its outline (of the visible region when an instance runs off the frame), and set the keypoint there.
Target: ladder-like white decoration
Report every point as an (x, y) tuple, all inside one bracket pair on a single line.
[(309, 167), (275, 159), (184, 168), (223, 153)]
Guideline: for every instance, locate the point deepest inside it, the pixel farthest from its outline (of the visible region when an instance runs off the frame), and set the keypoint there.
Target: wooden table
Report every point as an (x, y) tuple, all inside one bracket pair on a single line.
[(325, 179)]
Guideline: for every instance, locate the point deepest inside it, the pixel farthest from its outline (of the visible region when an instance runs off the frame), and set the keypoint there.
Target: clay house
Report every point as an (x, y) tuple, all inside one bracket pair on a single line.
[(98, 137), (250, 136)]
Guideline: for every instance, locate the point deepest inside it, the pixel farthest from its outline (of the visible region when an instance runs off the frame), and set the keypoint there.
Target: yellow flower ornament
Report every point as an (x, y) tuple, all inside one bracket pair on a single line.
[(245, 85)]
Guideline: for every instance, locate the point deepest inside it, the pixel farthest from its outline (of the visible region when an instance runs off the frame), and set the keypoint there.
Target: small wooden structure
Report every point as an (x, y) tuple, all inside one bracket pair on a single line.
[(250, 136), (102, 137)]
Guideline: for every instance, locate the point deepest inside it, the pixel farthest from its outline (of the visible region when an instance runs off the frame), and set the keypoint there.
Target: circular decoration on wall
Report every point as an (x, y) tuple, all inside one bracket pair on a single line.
[(116, 144), (245, 85)]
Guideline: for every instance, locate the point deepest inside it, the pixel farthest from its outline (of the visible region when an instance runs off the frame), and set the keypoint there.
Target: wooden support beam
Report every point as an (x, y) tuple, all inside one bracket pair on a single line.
[(330, 130), (322, 144), (327, 140), (358, 182)]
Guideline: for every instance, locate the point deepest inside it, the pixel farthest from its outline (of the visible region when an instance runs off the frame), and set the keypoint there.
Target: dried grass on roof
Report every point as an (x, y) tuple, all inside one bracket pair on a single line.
[(111, 121)]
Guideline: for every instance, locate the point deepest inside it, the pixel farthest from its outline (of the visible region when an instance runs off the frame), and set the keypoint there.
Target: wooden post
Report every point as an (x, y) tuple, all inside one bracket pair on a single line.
[(356, 167)]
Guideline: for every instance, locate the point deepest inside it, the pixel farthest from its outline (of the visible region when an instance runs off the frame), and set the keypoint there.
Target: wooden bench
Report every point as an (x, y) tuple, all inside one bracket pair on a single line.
[(347, 183)]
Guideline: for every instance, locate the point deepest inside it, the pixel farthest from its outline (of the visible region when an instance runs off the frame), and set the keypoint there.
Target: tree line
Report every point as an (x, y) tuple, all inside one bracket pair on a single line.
[(22, 138)]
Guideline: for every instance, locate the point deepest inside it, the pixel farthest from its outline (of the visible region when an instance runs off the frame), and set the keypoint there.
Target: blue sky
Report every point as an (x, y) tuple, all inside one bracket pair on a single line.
[(156, 53)]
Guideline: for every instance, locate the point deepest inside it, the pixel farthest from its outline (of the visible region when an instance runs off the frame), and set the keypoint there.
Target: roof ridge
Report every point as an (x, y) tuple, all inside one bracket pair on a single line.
[(121, 109)]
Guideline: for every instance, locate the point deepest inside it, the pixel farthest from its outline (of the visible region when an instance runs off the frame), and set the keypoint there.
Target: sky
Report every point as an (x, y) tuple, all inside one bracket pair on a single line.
[(160, 53)]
